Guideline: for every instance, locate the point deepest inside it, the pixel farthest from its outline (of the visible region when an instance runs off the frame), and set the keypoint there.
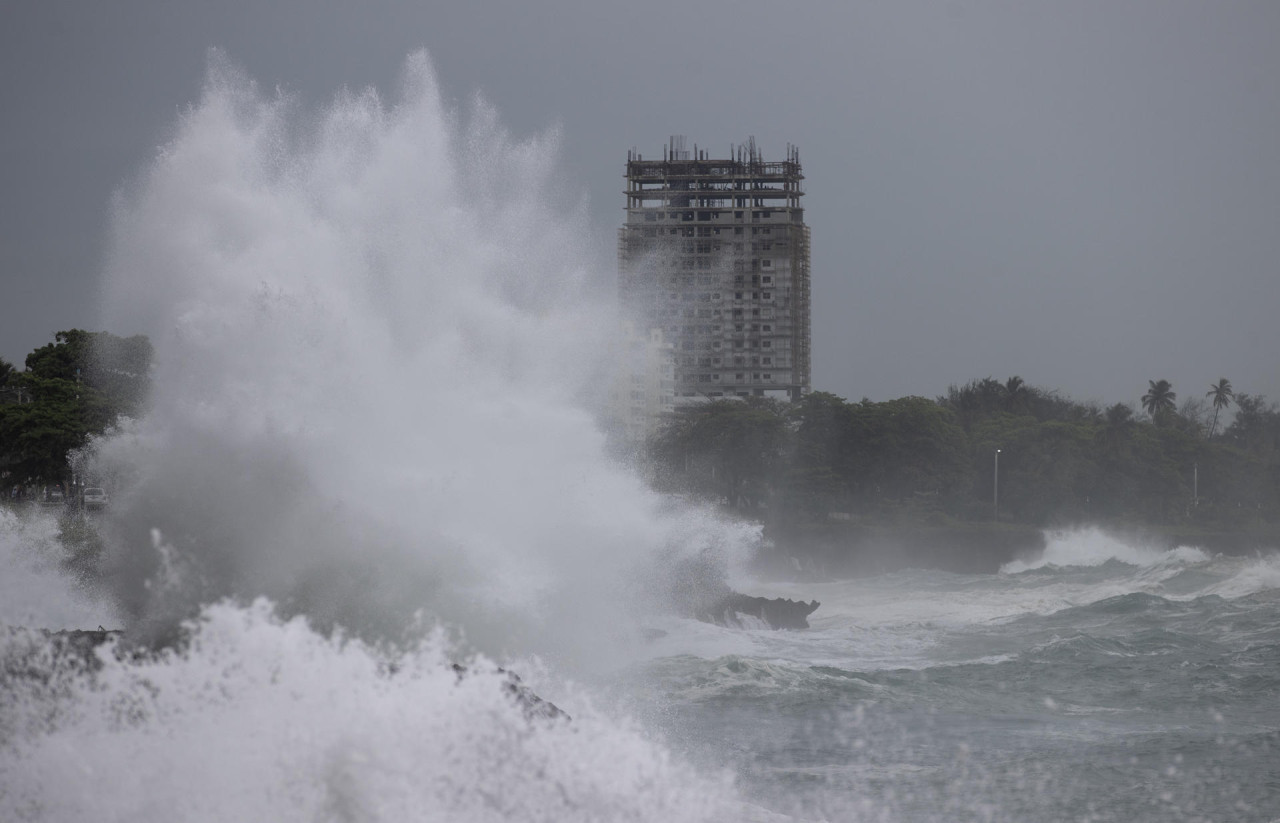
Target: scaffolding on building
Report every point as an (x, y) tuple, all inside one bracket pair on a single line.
[(715, 252)]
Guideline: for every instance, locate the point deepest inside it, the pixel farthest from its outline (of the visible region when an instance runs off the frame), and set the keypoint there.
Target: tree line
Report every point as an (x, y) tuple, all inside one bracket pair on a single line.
[(935, 461), (71, 389)]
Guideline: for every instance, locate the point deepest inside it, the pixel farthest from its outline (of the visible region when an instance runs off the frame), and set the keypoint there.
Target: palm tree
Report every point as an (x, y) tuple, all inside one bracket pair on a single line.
[(1222, 394), (1159, 401), (1015, 394)]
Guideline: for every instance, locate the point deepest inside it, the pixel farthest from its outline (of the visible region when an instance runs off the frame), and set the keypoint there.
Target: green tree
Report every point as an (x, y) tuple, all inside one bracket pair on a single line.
[(1016, 395), (821, 460), (1222, 395), (72, 388), (726, 449), (1160, 400), (1115, 433), (1256, 427), (905, 448), (118, 367)]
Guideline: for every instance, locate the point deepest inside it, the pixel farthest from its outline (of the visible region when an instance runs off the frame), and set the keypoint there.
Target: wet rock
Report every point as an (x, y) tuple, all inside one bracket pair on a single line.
[(534, 707), (778, 613), (75, 651)]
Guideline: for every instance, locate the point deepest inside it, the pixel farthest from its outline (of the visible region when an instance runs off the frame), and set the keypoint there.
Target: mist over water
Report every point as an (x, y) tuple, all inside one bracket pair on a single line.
[(377, 346), (370, 452)]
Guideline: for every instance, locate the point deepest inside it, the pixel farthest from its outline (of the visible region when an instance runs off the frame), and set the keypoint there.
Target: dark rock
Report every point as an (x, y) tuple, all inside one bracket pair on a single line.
[(777, 613), (696, 588), (74, 651), (534, 707)]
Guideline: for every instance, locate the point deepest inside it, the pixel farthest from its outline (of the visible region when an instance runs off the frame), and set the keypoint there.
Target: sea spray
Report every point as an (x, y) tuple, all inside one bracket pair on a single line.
[(1092, 546), (369, 454), (259, 718), (38, 587), (376, 341)]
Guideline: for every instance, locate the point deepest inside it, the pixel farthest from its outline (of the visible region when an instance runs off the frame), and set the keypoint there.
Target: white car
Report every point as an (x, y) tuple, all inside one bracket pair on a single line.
[(95, 498)]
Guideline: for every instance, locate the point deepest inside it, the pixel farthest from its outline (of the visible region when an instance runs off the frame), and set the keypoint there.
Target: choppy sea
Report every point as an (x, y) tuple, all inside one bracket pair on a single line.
[(1097, 683), (1100, 682), (371, 322)]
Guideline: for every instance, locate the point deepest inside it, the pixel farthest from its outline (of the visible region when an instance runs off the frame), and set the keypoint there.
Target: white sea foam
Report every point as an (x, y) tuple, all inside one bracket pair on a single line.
[(1093, 546), (375, 339), (1251, 575), (264, 719), (376, 348)]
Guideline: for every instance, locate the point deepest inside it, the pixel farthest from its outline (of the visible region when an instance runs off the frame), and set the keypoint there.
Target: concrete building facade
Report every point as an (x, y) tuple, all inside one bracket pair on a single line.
[(715, 253), (642, 393)]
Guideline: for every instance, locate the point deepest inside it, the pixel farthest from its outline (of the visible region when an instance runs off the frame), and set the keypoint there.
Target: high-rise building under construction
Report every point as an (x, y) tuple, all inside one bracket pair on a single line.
[(715, 252)]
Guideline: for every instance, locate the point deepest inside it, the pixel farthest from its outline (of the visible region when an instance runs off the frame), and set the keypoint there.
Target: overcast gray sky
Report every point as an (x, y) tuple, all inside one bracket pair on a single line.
[(1086, 194)]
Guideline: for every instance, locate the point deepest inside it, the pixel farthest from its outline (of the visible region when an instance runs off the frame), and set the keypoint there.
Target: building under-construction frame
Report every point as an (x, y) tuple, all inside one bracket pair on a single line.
[(715, 252)]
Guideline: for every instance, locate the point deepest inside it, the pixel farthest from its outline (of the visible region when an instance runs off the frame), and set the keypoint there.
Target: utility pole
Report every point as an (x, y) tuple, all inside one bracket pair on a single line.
[(995, 488)]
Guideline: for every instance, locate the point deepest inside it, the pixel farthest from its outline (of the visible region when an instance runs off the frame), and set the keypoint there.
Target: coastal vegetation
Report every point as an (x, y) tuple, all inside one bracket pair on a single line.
[(912, 460), (71, 389), (916, 460)]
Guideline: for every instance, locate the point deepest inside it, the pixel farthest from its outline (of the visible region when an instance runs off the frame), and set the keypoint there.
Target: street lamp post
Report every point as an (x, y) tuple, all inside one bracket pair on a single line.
[(995, 488)]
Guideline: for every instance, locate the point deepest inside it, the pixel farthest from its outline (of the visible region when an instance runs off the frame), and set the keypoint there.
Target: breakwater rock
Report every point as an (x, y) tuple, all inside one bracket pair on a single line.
[(43, 658), (732, 608)]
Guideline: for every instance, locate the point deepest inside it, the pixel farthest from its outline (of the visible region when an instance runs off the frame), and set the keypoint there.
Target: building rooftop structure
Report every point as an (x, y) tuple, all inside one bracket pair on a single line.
[(715, 252)]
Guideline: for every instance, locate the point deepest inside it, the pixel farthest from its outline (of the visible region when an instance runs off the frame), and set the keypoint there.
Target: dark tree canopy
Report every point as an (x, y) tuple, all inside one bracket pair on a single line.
[(899, 461), (72, 388)]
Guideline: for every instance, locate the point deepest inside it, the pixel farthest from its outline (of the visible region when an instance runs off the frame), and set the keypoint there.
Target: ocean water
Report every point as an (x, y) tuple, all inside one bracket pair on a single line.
[(371, 454), (1101, 682)]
